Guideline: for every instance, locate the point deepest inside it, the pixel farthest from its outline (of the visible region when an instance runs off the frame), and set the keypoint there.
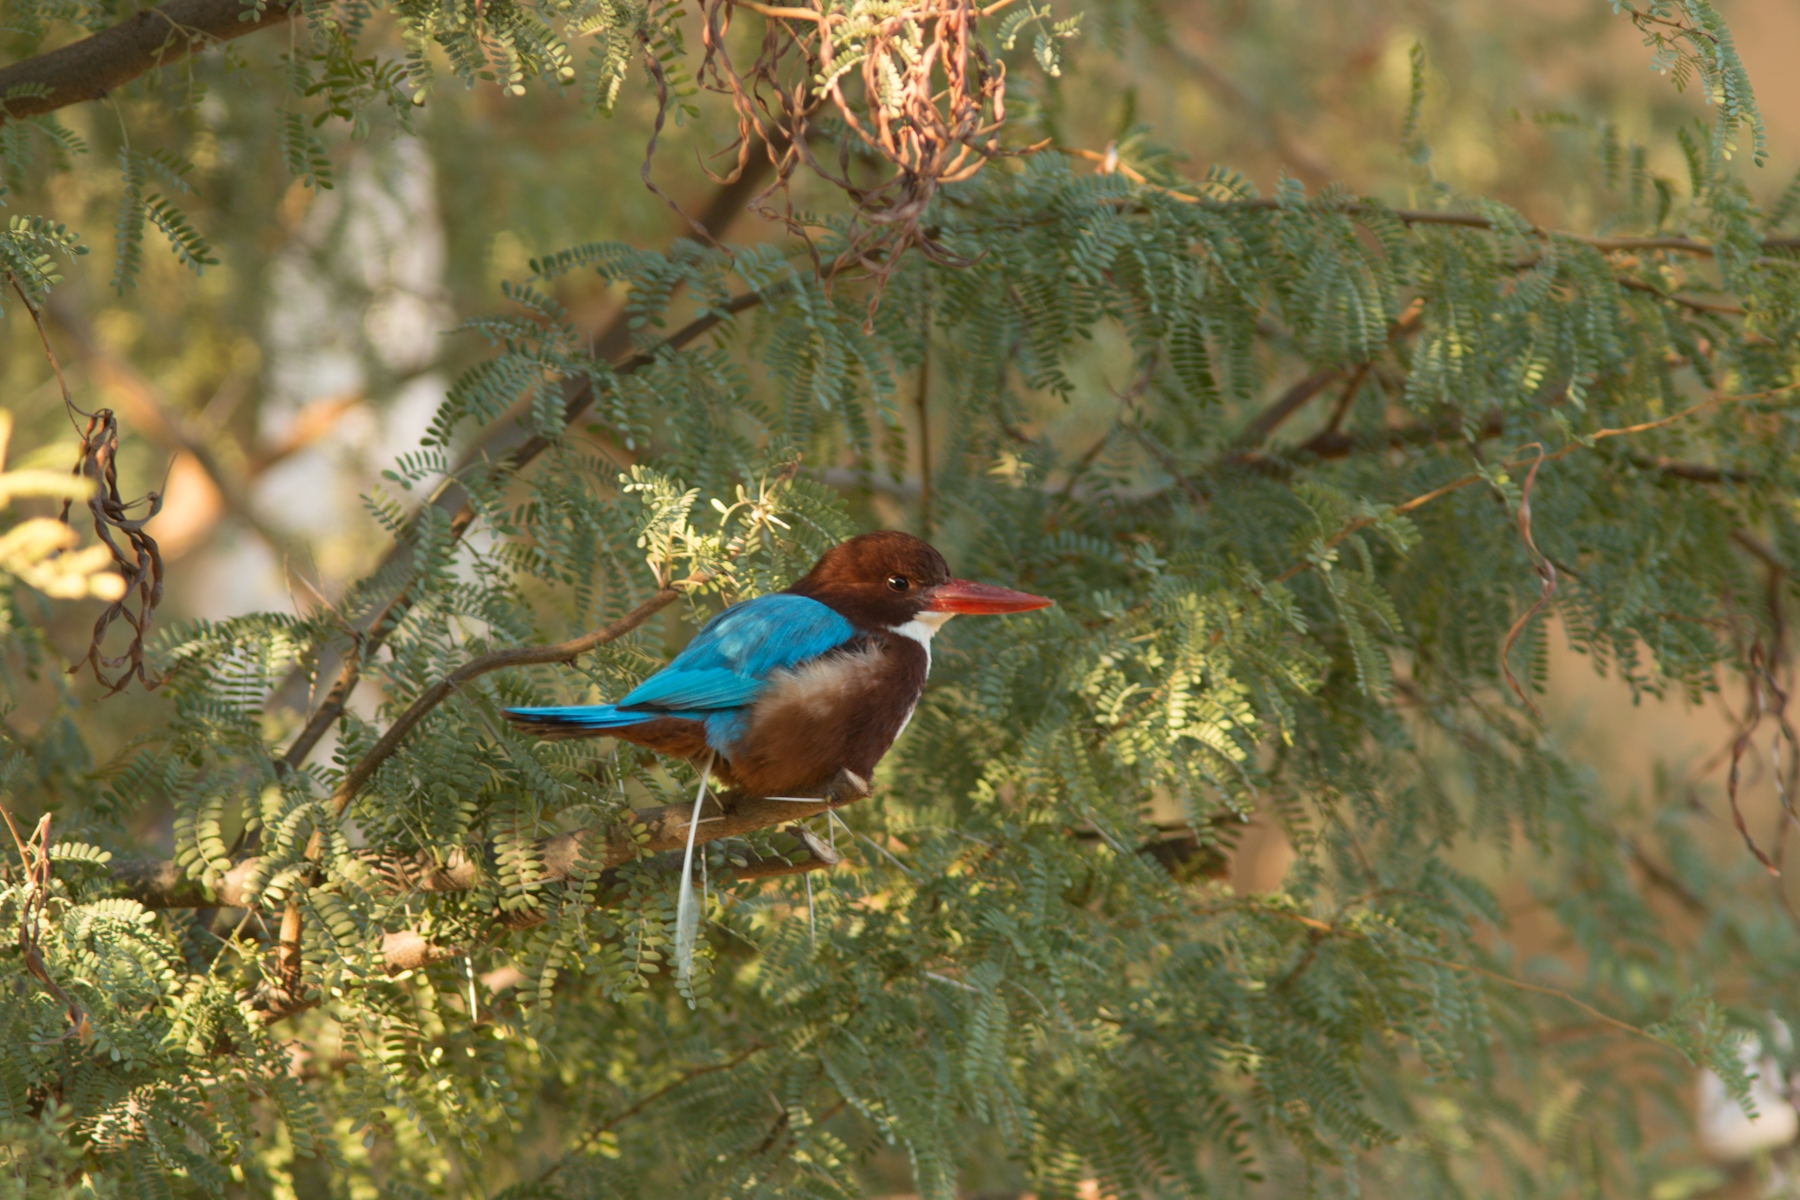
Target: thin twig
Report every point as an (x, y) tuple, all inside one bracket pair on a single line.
[(1414, 216), (142, 571), (1691, 471), (780, 13), (1604, 1018), (1546, 573), (1688, 302), (1157, 451), (1641, 18), (922, 402), (1087, 459), (1740, 745), (1456, 485), (155, 418), (612, 1122), (1340, 411), (34, 857)]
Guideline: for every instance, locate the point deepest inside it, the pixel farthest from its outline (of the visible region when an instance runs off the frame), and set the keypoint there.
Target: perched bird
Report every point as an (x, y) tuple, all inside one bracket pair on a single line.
[(797, 693), (802, 691)]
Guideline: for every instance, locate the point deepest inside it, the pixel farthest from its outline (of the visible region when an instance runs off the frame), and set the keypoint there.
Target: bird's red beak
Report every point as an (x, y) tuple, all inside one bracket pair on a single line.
[(961, 596)]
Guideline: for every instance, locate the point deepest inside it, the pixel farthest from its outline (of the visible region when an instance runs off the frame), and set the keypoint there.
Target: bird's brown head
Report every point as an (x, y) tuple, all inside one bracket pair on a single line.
[(884, 579)]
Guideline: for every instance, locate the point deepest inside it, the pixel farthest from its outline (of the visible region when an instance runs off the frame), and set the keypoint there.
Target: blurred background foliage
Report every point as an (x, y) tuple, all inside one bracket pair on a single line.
[(265, 394), (308, 303), (344, 299)]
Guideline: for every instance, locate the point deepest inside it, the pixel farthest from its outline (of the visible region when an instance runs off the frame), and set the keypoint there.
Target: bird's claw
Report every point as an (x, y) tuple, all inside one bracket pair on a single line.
[(846, 786)]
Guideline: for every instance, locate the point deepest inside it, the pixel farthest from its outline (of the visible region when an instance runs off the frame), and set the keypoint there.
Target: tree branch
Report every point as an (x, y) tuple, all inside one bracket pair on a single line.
[(1470, 480), (1305, 160), (1416, 216), (1688, 302), (1640, 19), (592, 1135), (511, 444), (409, 949), (1331, 444), (1286, 405), (1693, 472), (92, 67), (579, 397), (161, 884), (1296, 397), (1604, 1018), (493, 660)]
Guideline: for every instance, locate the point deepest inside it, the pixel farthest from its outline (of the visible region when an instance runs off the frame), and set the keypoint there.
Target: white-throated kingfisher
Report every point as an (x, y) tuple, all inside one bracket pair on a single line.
[(802, 691)]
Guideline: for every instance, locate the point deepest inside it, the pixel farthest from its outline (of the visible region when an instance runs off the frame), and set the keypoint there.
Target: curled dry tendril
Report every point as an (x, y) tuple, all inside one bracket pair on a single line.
[(138, 560), (919, 97)]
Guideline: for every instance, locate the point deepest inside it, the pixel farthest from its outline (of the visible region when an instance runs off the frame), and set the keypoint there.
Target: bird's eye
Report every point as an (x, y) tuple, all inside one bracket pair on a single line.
[(898, 583)]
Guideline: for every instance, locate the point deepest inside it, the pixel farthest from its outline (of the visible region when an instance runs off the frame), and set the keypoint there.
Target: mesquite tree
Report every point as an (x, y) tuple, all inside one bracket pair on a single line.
[(290, 911)]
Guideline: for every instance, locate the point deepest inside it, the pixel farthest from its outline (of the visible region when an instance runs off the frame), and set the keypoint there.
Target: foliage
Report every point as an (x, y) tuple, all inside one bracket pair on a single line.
[(1015, 977)]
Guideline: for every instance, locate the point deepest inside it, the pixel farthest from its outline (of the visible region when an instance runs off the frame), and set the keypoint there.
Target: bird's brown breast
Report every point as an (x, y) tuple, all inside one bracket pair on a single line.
[(840, 711)]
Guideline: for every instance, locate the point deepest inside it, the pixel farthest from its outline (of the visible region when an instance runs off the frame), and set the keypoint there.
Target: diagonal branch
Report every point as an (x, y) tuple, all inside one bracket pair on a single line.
[(94, 66), (578, 399), (1286, 405), (1604, 1018), (592, 1135), (494, 660), (1296, 397), (512, 446)]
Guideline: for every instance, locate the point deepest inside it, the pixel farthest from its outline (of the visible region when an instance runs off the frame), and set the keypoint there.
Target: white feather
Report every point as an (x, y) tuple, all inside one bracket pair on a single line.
[(687, 908), (907, 719), (921, 629)]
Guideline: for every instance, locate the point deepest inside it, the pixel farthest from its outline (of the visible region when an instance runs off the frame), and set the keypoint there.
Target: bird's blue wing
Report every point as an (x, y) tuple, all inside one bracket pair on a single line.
[(731, 658), (703, 689), (716, 678)]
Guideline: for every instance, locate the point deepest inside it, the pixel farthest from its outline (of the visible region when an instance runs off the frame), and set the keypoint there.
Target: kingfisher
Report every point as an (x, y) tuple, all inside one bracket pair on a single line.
[(799, 692)]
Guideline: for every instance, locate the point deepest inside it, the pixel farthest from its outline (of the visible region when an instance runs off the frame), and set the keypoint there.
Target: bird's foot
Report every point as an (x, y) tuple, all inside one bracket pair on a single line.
[(843, 788), (846, 786)]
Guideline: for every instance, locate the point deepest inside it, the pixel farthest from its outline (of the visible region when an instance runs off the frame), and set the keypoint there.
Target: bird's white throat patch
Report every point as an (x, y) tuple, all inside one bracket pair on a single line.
[(921, 628)]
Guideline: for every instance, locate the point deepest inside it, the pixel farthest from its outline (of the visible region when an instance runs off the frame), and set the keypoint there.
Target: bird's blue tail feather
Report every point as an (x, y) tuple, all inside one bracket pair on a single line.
[(575, 720)]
